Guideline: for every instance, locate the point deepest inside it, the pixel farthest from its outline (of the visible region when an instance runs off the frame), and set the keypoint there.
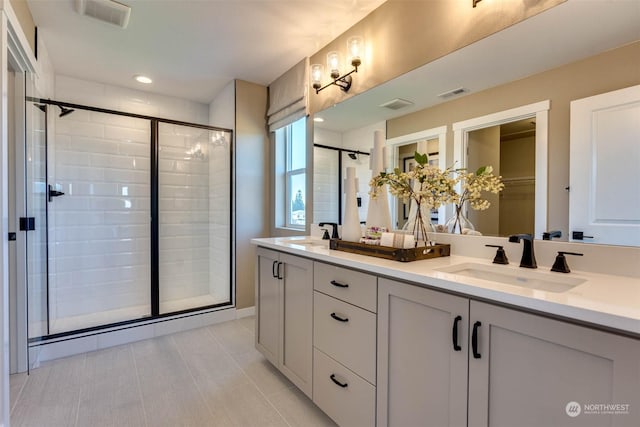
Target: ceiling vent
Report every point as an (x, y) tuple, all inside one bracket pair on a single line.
[(453, 92), (108, 11), (396, 104)]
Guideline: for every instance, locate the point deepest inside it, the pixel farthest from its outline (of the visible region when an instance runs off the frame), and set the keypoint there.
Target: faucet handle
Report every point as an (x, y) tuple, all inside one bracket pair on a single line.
[(560, 265), (501, 255), (325, 236)]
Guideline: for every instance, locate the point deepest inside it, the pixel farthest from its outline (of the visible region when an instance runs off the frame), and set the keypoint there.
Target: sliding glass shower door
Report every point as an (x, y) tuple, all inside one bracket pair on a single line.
[(194, 176), (99, 219)]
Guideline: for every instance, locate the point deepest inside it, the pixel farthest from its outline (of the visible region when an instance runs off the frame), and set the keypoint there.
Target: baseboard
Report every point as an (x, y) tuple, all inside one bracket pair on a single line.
[(245, 312)]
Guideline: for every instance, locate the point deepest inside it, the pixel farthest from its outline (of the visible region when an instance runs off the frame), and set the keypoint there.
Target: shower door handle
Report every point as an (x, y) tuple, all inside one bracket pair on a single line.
[(54, 193)]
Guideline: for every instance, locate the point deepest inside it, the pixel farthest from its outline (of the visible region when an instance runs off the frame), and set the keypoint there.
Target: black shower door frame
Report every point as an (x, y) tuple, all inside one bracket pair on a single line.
[(155, 224)]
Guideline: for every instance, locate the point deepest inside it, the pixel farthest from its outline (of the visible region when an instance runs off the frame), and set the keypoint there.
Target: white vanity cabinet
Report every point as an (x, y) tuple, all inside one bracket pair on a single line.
[(284, 314), (531, 367), (344, 340), (523, 369), (422, 378)]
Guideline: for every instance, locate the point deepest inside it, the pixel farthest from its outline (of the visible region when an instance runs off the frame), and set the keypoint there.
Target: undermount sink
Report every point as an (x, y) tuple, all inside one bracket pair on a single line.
[(305, 241), (549, 282)]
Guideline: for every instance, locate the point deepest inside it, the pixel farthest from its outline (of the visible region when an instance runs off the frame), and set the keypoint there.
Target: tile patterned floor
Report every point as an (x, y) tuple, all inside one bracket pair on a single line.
[(211, 376)]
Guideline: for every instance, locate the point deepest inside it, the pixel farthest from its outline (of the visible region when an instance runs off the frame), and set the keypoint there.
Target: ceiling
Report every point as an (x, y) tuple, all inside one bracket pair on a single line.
[(563, 34), (192, 48)]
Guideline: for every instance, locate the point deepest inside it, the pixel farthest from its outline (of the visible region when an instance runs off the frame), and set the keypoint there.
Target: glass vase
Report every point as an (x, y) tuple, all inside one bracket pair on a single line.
[(459, 222), (420, 225)]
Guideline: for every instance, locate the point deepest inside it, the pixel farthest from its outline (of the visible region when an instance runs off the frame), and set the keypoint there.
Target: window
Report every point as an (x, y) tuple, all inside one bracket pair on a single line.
[(291, 154)]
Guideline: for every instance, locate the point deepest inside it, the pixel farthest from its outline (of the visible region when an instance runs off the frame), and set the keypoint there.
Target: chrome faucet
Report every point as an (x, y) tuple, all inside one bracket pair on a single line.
[(528, 257)]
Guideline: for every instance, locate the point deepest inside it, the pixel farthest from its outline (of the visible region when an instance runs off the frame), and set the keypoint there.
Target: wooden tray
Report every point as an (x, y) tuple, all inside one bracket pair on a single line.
[(387, 252)]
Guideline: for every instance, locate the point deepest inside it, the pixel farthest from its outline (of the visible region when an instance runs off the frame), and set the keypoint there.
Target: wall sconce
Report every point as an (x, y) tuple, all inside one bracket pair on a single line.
[(355, 48), (475, 2)]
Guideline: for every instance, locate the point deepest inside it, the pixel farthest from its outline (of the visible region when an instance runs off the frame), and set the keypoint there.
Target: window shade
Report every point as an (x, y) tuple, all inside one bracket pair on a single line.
[(288, 96)]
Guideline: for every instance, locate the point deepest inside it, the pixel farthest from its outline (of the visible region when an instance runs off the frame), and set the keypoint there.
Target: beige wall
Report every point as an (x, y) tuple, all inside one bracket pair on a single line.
[(608, 71), (402, 35), (21, 9), (252, 183)]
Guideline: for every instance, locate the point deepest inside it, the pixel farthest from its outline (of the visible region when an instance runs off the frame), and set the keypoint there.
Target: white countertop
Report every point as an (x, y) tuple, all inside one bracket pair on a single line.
[(609, 301)]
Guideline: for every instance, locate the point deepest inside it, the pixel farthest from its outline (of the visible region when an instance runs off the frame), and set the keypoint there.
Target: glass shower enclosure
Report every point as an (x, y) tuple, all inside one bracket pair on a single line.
[(130, 215)]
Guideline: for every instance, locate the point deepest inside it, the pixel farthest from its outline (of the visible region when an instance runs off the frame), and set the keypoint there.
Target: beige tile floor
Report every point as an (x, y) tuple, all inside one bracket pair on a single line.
[(211, 376)]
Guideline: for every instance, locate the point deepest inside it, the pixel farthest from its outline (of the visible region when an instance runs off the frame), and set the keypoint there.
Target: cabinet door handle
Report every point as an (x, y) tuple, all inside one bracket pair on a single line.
[(273, 269), (333, 378), (474, 340), (279, 276), (339, 285), (338, 318), (457, 320)]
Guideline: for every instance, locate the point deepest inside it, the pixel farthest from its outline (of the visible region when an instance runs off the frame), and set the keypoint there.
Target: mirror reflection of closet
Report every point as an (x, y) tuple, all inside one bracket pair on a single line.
[(510, 149), (406, 154)]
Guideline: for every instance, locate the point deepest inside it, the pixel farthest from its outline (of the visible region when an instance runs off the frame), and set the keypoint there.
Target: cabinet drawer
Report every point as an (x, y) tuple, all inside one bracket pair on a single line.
[(346, 333), (353, 404), (351, 286)]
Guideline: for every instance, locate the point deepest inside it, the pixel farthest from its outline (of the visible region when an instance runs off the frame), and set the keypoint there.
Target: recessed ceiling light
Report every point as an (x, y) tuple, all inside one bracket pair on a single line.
[(318, 119), (143, 79)]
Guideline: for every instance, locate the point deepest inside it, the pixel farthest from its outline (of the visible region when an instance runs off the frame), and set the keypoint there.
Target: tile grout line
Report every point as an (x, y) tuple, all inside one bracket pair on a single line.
[(135, 366), (224, 348)]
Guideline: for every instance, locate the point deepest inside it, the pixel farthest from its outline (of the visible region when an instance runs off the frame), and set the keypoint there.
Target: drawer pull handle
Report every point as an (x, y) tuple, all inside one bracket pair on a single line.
[(456, 346), (338, 318), (339, 285), (474, 340), (273, 269), (333, 378)]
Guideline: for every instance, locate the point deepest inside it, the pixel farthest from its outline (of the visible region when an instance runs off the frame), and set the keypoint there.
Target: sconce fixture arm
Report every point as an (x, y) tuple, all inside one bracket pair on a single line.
[(343, 82)]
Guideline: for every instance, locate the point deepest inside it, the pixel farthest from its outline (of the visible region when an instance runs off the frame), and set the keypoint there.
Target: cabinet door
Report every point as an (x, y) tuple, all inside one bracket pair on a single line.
[(296, 359), (531, 369), (268, 305), (422, 379)]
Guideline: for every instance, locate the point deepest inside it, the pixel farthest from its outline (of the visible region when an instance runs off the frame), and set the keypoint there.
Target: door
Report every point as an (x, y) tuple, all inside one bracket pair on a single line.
[(604, 205), (296, 358), (532, 371), (422, 357), (268, 304)]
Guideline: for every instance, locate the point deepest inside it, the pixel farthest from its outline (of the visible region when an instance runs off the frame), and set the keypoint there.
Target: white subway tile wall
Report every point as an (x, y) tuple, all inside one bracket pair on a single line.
[(99, 251), (325, 185), (194, 218), (100, 228)]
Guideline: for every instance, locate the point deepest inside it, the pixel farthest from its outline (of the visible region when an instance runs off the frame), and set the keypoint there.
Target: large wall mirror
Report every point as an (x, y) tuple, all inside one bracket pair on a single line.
[(520, 97)]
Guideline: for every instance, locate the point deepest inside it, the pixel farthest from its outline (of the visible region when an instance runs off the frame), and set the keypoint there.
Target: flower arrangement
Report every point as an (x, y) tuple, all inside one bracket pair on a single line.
[(433, 187), (426, 185), (471, 187)]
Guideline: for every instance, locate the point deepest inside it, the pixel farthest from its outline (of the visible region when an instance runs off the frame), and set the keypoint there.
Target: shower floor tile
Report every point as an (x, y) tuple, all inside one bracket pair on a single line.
[(211, 376)]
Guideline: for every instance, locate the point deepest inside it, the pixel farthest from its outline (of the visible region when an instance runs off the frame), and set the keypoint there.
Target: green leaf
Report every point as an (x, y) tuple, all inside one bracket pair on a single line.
[(421, 159), (397, 171), (481, 170)]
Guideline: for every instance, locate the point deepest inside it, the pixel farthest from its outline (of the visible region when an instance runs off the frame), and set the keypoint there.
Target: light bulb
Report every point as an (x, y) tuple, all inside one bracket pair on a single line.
[(333, 63), (355, 47), (317, 70)]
